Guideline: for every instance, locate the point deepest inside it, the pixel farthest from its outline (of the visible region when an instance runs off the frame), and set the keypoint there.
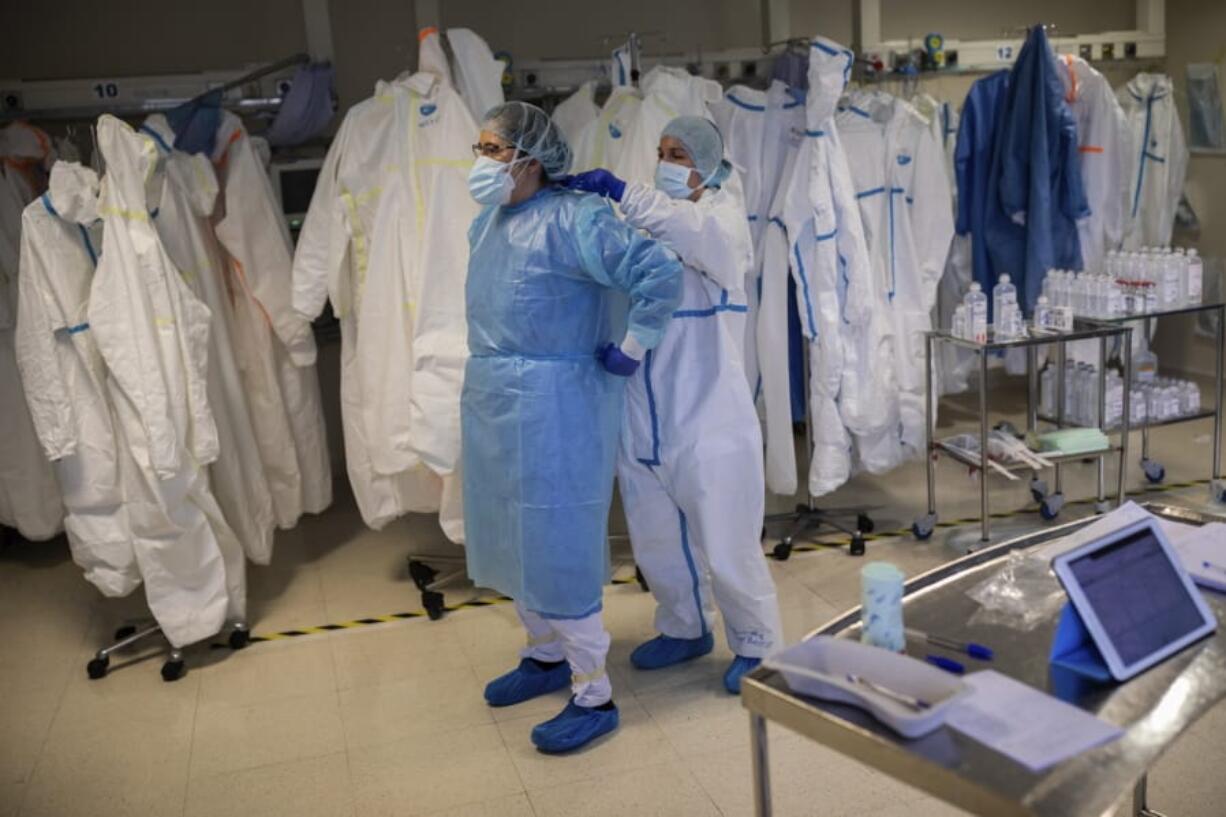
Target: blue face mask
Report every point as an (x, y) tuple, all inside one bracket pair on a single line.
[(490, 181), (674, 180)]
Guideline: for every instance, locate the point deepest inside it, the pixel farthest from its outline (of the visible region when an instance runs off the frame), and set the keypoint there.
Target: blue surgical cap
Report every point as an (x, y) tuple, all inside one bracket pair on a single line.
[(704, 144), (532, 131)]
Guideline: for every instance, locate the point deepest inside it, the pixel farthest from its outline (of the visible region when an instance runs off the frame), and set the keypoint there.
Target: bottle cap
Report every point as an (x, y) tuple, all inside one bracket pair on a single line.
[(1004, 278)]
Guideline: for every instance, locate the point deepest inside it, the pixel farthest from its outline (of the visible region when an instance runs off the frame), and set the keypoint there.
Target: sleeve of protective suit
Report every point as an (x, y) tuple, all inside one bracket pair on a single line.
[(711, 237), (324, 239), (859, 295), (45, 389), (931, 204), (1177, 162), (964, 172), (254, 233), (617, 256)]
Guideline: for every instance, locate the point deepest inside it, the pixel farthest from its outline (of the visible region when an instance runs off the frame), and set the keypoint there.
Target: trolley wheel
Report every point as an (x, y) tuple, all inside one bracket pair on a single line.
[(641, 579), (923, 527), (421, 574), (857, 545), (1217, 490), (1155, 472), (1051, 506), (1103, 507), (864, 523), (1038, 489), (239, 637), (97, 668), (432, 600), (782, 550), (124, 631), (173, 671)]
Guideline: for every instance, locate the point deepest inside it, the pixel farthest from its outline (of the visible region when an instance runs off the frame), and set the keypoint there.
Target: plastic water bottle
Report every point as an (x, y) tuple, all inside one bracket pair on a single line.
[(977, 309), (958, 327), (1196, 276), (1114, 303), (1145, 364), (1004, 305), (1042, 314), (1170, 280)]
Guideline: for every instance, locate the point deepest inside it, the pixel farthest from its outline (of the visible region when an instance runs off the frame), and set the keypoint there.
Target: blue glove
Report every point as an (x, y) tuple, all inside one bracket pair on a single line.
[(601, 182), (617, 362)]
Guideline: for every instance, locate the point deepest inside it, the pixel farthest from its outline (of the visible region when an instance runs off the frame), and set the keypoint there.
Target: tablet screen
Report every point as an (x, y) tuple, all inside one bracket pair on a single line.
[(1141, 602)]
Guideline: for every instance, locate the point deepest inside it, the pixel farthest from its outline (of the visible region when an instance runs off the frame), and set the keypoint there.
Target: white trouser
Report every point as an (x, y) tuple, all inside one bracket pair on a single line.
[(699, 543), (581, 642)]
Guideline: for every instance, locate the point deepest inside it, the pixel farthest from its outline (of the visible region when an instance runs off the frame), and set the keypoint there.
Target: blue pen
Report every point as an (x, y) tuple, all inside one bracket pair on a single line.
[(947, 664), (978, 651)]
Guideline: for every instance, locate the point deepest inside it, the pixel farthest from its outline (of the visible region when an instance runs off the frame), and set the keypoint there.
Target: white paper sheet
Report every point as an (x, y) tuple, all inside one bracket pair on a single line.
[(1202, 550), (1025, 724)]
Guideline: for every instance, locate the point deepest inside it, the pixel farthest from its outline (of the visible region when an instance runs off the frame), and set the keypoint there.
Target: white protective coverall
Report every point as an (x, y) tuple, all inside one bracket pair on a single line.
[(815, 234), (761, 130), (478, 76), (252, 229), (906, 204), (1107, 159), (386, 240), (183, 223), (1159, 159), (65, 377), (153, 335), (29, 496), (577, 112), (690, 462)]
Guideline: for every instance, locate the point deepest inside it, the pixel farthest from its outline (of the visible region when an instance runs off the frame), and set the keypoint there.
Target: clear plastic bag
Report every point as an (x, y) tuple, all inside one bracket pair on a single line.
[(1020, 596), (1205, 126)]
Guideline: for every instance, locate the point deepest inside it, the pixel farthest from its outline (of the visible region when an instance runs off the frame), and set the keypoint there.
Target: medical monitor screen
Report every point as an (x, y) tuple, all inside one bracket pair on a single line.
[(1138, 597)]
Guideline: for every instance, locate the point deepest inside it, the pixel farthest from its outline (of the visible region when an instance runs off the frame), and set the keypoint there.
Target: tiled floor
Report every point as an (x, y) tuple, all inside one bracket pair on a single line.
[(389, 720)]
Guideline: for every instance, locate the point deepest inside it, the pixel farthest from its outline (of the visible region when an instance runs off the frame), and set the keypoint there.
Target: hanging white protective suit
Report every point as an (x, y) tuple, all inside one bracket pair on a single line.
[(604, 142), (1159, 159), (577, 112), (237, 477), (1106, 158), (65, 378), (478, 76), (761, 130), (815, 234), (690, 462), (386, 240), (252, 229), (153, 335), (29, 495), (898, 168)]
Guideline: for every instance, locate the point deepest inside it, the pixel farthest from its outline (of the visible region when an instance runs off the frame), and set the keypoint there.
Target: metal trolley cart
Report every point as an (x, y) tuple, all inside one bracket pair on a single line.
[(1049, 503), (1154, 471)]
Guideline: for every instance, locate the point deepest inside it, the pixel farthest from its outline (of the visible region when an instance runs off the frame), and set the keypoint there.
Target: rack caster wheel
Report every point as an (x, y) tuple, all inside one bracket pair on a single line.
[(97, 668), (857, 545), (173, 671), (782, 550), (1051, 506), (641, 579), (422, 574), (1038, 489), (1155, 472), (124, 631), (1217, 490), (239, 637), (1101, 508), (864, 523), (433, 602), (923, 527)]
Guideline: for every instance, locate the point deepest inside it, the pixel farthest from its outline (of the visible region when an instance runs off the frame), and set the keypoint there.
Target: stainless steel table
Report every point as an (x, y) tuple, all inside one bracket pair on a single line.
[(1153, 708)]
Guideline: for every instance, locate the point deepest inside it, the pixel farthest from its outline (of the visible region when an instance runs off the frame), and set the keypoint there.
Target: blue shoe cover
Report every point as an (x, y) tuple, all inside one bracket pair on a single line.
[(525, 682), (664, 651), (739, 666), (573, 727)]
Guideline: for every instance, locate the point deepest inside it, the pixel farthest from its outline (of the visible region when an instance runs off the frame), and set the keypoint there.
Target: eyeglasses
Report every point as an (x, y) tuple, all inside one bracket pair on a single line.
[(490, 150)]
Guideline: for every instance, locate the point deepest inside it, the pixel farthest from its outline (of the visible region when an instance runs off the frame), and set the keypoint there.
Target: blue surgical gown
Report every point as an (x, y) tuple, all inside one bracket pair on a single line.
[(981, 117), (1032, 227), (539, 414)]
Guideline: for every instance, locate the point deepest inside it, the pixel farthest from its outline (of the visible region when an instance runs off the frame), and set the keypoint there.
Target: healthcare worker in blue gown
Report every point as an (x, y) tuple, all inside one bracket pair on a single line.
[(552, 339)]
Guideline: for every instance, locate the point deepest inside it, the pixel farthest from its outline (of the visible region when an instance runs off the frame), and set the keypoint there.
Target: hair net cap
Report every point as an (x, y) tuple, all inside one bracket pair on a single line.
[(703, 142), (530, 129)]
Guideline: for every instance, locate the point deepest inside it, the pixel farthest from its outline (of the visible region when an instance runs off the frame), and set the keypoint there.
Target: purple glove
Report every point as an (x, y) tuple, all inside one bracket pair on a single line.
[(601, 182), (616, 361)]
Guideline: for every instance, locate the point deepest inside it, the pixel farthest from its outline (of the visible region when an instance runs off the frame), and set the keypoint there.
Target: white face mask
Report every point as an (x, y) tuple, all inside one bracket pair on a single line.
[(490, 181), (674, 180)]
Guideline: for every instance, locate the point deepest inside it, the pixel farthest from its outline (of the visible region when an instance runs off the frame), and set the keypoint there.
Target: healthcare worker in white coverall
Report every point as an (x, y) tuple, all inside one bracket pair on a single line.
[(542, 403), (690, 466)]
